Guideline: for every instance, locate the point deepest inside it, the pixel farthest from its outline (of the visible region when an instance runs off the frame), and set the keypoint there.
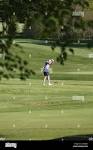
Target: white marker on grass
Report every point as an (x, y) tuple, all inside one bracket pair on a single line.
[(62, 84), (78, 69), (14, 125), (30, 55), (78, 125), (14, 97), (46, 126), (29, 83), (62, 111), (46, 98), (30, 112)]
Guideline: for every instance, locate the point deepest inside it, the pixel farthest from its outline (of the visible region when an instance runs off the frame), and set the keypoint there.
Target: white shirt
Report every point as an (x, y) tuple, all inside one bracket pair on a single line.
[(46, 68)]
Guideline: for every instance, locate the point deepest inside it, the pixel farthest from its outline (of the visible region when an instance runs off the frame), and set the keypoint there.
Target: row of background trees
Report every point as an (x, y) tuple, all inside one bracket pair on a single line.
[(44, 18)]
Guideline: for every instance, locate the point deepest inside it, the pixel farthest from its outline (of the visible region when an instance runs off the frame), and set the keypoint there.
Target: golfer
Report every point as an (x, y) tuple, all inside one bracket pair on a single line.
[(46, 71)]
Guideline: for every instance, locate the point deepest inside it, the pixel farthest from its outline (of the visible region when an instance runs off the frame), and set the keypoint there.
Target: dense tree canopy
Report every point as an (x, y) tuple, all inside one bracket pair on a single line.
[(47, 18)]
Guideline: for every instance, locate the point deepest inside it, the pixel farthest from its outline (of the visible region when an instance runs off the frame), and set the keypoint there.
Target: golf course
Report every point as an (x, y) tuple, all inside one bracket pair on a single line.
[(31, 111)]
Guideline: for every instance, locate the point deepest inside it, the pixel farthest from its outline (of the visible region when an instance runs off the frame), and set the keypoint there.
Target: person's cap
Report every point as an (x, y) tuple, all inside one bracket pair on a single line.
[(51, 61)]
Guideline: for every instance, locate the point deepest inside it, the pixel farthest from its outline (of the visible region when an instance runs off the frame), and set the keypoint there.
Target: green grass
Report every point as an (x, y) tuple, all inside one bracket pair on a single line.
[(37, 112), (80, 60)]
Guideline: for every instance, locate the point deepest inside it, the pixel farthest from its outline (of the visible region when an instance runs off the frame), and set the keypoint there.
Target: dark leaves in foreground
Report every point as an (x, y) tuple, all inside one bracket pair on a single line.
[(11, 64)]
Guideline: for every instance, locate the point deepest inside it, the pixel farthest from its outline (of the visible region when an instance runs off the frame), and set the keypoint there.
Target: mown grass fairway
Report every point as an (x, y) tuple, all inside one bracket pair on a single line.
[(37, 112), (29, 110)]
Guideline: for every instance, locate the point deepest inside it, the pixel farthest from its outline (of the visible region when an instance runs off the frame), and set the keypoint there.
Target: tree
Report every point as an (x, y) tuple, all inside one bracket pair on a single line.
[(67, 24), (59, 22), (10, 62)]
